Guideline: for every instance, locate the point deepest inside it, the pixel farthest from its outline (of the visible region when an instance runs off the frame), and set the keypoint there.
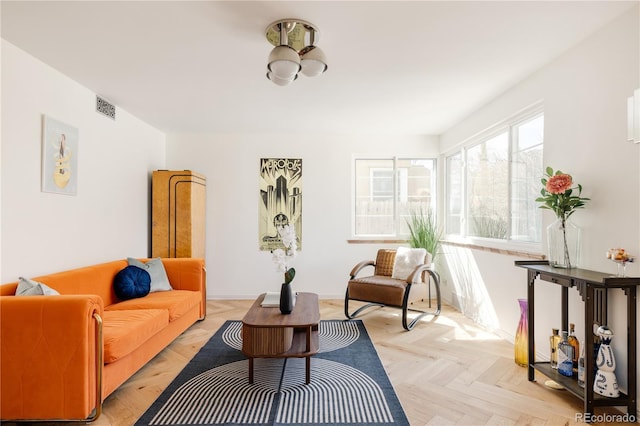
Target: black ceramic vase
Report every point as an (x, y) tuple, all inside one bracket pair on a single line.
[(286, 298)]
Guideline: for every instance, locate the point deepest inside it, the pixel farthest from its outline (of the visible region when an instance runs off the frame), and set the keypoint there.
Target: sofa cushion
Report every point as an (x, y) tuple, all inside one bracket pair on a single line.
[(124, 331), (177, 302), (159, 279), (27, 287), (131, 282)]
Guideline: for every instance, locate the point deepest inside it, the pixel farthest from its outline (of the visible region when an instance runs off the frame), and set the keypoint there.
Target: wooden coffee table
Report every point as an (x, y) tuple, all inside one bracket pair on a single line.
[(267, 333)]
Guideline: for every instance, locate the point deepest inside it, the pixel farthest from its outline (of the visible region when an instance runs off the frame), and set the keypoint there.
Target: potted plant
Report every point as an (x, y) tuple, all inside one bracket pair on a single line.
[(424, 232)]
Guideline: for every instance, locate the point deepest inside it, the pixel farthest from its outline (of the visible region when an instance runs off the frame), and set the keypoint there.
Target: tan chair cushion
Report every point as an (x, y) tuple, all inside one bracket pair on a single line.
[(378, 289), (384, 262), (385, 290)]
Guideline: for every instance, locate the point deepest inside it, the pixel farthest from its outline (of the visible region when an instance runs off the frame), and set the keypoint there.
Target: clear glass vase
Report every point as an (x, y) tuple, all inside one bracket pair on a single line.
[(521, 344), (563, 240)]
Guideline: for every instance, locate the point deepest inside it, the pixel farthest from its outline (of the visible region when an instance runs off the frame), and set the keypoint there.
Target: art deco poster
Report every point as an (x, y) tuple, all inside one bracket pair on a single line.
[(280, 199)]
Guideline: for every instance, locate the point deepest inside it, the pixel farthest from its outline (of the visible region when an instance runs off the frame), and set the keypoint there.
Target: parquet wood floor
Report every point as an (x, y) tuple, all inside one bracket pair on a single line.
[(447, 371)]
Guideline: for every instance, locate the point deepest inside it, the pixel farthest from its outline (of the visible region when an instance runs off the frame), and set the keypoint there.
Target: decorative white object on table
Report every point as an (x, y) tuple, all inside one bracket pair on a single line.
[(605, 383)]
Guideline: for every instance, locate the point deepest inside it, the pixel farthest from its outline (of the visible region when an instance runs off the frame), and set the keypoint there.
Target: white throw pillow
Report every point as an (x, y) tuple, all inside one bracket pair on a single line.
[(406, 261), (27, 287), (155, 268)]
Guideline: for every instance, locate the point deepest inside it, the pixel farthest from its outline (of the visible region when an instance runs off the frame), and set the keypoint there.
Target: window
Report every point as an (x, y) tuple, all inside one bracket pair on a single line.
[(488, 187), (388, 190), (493, 180)]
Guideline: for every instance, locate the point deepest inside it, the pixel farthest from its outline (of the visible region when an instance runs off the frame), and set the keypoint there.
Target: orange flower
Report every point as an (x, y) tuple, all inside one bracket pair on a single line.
[(558, 184), (557, 194)]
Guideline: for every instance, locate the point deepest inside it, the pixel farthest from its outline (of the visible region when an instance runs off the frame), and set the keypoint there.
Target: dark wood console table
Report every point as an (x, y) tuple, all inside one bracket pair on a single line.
[(592, 287)]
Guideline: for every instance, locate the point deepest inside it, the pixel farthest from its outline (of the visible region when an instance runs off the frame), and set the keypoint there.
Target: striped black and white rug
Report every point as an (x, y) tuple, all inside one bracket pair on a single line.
[(348, 385)]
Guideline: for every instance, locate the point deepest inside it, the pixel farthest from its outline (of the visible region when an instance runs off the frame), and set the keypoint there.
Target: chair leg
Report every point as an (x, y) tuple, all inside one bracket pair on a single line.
[(405, 304), (357, 311), (436, 280)]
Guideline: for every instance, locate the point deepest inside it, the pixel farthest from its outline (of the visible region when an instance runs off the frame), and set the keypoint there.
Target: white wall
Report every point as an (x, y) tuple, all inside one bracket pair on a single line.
[(108, 219), (236, 267), (584, 93)]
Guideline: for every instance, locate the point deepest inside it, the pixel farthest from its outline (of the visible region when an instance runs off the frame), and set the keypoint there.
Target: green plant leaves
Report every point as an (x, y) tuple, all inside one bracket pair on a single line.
[(289, 275), (424, 232)]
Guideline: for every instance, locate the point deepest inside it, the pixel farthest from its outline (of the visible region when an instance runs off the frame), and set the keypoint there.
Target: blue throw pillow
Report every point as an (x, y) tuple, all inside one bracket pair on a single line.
[(132, 282)]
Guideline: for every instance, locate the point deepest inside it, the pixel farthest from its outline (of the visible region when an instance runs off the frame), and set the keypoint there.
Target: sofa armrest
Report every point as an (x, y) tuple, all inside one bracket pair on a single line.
[(50, 356), (187, 273)]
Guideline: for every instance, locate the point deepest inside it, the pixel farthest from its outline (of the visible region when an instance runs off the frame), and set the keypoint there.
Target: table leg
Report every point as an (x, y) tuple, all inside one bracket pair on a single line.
[(531, 279), (632, 406), (308, 358), (589, 360), (250, 371)]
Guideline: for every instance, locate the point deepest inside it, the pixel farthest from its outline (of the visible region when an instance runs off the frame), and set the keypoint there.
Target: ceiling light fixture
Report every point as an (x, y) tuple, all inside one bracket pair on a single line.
[(294, 52)]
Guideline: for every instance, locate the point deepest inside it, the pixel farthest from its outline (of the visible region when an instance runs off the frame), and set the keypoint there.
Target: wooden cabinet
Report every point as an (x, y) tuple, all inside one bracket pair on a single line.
[(178, 214), (593, 287)]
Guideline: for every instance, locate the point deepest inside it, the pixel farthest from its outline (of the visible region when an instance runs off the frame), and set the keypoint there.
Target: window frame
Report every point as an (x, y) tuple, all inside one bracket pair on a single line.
[(509, 125)]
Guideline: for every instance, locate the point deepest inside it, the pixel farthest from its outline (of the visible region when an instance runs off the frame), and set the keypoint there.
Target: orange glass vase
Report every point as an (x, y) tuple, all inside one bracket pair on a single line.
[(521, 344)]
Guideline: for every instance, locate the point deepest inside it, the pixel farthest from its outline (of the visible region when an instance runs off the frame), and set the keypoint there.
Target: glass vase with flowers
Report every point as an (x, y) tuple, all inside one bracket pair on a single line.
[(563, 237)]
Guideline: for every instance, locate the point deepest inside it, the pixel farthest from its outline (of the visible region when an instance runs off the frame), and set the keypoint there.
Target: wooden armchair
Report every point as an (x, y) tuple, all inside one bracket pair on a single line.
[(398, 281)]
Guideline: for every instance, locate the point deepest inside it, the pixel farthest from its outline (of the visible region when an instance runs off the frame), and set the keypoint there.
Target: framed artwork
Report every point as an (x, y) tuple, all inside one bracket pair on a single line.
[(280, 200), (59, 157)]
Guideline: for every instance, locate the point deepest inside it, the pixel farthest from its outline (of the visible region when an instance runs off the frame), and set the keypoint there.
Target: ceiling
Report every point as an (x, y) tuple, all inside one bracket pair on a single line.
[(414, 67)]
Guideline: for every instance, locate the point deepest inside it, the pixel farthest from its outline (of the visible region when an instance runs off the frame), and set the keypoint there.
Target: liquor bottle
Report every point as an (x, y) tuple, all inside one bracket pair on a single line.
[(573, 341), (565, 356), (554, 339), (581, 373)]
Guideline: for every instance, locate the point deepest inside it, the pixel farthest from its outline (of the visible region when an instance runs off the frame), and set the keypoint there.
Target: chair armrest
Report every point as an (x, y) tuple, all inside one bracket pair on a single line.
[(50, 348), (356, 269), (416, 275)]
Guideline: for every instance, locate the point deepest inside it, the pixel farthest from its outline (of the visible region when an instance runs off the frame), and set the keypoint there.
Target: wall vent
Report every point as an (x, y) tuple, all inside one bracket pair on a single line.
[(105, 108)]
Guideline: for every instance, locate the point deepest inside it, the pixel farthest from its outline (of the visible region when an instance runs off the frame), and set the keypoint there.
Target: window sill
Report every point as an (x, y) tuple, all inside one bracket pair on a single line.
[(504, 251), (507, 251), (377, 241)]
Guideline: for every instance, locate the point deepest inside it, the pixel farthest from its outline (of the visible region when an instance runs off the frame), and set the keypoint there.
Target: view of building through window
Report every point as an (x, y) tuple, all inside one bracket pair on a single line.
[(388, 190)]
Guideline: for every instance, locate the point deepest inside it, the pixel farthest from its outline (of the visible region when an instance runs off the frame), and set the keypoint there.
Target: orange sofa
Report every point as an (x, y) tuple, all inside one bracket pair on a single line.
[(61, 356)]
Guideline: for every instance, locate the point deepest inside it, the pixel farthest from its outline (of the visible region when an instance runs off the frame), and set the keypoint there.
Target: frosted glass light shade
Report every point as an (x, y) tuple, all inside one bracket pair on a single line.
[(313, 61), (284, 62), (280, 81)]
